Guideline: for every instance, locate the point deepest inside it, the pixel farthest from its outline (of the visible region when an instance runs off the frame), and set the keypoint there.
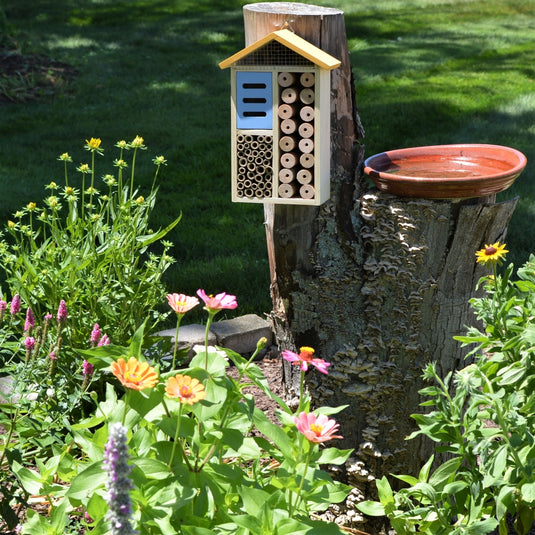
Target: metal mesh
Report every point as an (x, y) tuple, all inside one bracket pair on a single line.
[(273, 53)]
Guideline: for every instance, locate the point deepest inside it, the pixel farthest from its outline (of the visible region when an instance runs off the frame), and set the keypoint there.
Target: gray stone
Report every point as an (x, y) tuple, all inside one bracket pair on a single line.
[(6, 389), (242, 334), (189, 336)]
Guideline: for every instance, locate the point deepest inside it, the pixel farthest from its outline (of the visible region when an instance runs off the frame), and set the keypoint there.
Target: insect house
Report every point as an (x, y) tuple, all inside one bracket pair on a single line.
[(281, 120)]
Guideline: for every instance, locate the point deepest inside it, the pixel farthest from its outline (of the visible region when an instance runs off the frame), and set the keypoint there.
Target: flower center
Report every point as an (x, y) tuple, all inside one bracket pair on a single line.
[(489, 251), (131, 376), (316, 429), (306, 353), (185, 391)]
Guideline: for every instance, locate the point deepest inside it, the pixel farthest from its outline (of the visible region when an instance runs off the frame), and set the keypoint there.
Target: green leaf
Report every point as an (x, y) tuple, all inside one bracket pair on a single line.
[(334, 456), (527, 491), (371, 508), (87, 482), (273, 432)]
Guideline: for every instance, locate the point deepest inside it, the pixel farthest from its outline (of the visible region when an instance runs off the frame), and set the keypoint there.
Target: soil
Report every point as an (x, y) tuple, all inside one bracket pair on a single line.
[(25, 77)]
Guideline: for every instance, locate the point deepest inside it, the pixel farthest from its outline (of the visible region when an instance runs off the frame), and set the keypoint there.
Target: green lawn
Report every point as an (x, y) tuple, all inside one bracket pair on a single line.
[(427, 72)]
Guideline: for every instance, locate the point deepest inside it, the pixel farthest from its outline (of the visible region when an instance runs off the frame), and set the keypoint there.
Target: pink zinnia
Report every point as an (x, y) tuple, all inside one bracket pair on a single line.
[(181, 303), (95, 335), (30, 320), (304, 358), (62, 311), (318, 429), (15, 305), (219, 302)]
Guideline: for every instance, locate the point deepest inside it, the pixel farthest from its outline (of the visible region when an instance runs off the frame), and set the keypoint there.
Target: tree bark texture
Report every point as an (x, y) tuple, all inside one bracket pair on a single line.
[(377, 284)]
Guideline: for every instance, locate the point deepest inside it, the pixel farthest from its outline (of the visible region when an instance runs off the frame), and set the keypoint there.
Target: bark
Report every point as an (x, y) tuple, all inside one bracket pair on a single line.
[(377, 284)]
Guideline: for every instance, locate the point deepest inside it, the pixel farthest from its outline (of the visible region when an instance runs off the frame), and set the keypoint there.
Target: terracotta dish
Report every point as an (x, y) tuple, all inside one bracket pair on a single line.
[(445, 171)]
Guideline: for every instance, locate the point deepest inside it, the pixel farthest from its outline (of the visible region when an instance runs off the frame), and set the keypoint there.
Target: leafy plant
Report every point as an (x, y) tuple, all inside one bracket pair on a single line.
[(91, 248), (483, 418)]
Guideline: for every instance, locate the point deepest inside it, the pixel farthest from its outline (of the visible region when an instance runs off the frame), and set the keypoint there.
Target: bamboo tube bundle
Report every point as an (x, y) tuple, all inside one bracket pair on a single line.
[(286, 175), (285, 111), (286, 191), (306, 160), (307, 79), (289, 159), (306, 145), (304, 176), (286, 79), (307, 113), (289, 95), (306, 130), (307, 191), (248, 193), (287, 143), (288, 126), (307, 96)]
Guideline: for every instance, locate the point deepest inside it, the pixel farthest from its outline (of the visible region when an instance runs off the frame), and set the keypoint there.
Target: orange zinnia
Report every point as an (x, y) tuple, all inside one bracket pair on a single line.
[(134, 374), (187, 389)]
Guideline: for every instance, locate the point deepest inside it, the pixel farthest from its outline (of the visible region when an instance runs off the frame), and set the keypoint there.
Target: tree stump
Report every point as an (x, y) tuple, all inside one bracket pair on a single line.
[(377, 284)]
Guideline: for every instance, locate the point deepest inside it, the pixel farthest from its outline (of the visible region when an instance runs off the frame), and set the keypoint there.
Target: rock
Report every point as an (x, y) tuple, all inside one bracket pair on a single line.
[(242, 334)]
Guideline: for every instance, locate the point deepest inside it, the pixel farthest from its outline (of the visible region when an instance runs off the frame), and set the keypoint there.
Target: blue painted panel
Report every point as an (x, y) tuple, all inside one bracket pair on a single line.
[(254, 95)]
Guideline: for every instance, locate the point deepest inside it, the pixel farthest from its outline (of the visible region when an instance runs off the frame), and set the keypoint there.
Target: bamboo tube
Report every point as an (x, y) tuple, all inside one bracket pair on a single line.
[(287, 190), (288, 126), (307, 113), (240, 147), (268, 139), (248, 192), (268, 155), (240, 138), (304, 176), (286, 79), (240, 185), (306, 130), (307, 191), (261, 139), (307, 96), (287, 143), (242, 171), (242, 162), (307, 79), (239, 193), (247, 183), (251, 166), (259, 193), (306, 160), (286, 176), (248, 139), (254, 144), (289, 95), (286, 111), (306, 145), (289, 160)]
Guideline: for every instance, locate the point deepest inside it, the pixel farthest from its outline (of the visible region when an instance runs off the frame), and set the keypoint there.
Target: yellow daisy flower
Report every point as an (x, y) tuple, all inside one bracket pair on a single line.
[(491, 253)]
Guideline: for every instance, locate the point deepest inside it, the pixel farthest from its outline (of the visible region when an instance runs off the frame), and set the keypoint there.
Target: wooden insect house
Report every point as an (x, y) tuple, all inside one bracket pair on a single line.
[(281, 88)]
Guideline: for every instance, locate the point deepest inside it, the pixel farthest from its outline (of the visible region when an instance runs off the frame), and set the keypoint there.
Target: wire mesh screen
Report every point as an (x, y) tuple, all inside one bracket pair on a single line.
[(274, 53)]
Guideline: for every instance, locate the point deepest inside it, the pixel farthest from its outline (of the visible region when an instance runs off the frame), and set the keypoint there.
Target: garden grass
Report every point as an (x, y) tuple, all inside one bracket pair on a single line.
[(427, 72)]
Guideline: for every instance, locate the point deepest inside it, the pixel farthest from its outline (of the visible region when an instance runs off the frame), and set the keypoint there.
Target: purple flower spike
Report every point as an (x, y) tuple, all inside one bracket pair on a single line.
[(62, 312), (95, 335), (15, 305), (29, 324)]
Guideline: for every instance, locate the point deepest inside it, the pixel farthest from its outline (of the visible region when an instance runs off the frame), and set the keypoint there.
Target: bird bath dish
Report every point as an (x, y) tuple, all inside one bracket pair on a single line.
[(445, 171)]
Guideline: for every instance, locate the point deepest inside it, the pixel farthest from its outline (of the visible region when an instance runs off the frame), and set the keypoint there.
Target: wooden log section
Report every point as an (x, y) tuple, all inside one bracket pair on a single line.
[(289, 95), (307, 113), (287, 143), (307, 79), (306, 160), (288, 126), (304, 176), (287, 191), (307, 191), (306, 130), (307, 96), (290, 159), (286, 79), (285, 111), (286, 176), (306, 145)]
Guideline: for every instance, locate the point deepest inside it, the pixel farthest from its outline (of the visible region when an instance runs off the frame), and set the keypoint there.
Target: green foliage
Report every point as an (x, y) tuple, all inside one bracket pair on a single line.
[(91, 248), (483, 417)]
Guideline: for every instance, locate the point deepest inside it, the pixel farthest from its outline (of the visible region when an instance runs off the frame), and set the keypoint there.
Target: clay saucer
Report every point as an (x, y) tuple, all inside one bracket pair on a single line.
[(445, 171)]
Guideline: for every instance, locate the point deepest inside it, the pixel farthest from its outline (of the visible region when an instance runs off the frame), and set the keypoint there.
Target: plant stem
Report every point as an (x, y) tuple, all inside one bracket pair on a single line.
[(126, 403), (300, 490), (178, 319), (172, 458), (206, 333)]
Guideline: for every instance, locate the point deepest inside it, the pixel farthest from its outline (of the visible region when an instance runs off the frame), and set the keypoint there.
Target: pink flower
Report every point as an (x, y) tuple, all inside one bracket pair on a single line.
[(52, 355), (95, 335), (104, 341), (62, 311), (15, 305), (87, 368), (306, 357), (181, 303), (30, 320), (29, 343), (318, 429), (217, 303)]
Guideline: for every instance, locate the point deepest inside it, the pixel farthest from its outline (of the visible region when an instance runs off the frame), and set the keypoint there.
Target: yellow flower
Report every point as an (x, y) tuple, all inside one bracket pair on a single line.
[(121, 144), (31, 206), (137, 142), (84, 168), (140, 200), (93, 143), (69, 190), (11, 224), (134, 374), (491, 253), (188, 390), (65, 157)]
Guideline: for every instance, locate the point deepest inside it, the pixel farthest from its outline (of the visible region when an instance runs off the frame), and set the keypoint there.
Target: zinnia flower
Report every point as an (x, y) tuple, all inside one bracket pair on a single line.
[(118, 483), (217, 303), (186, 389), (491, 253), (304, 358), (318, 429), (181, 303), (134, 374)]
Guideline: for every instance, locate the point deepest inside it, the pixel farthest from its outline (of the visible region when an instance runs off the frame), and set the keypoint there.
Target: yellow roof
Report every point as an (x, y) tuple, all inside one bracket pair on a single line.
[(292, 41)]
